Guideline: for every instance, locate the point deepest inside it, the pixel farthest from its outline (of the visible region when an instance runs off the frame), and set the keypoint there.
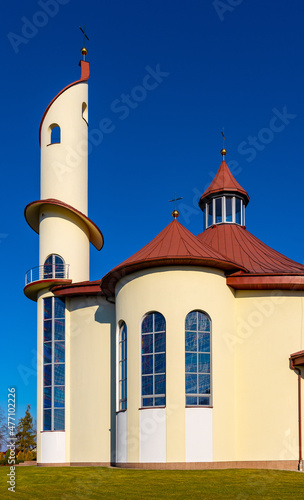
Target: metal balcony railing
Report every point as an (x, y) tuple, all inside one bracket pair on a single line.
[(47, 272)]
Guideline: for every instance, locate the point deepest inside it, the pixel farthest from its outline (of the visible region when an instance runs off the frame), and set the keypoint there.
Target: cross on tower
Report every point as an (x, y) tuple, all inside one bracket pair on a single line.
[(84, 34), (175, 212)]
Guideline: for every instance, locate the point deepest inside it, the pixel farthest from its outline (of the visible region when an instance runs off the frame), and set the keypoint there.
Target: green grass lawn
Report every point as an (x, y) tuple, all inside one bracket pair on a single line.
[(63, 483)]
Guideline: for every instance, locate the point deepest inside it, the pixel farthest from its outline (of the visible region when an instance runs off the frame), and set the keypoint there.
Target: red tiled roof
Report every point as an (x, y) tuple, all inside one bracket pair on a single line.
[(224, 182), (78, 289), (174, 245), (239, 245)]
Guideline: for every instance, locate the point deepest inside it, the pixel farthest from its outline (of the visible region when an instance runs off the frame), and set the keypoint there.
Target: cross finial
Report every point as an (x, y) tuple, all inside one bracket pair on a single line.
[(223, 151), (175, 212), (84, 51)]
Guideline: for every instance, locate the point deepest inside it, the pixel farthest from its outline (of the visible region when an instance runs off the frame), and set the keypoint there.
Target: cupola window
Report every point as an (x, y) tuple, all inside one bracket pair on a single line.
[(229, 209)]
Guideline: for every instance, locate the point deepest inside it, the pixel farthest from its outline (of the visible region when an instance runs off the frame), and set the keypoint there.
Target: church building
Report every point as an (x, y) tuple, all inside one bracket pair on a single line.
[(189, 354)]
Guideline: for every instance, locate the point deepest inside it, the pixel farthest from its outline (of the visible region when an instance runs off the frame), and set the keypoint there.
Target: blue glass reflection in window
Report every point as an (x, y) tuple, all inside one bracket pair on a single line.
[(59, 397), (228, 209), (203, 322), (238, 210), (191, 321), (59, 308), (204, 401), (47, 330), (147, 385), (210, 213), (204, 384), (160, 401), (160, 363), (59, 374), (59, 352), (154, 359), (58, 420), (191, 400), (160, 323), (59, 329), (204, 363), (47, 420), (160, 384), (147, 402), (48, 308), (218, 210), (147, 324), (204, 342), (160, 342), (191, 383), (197, 358), (147, 364), (147, 344), (47, 403), (47, 375), (48, 352), (191, 361), (191, 341)]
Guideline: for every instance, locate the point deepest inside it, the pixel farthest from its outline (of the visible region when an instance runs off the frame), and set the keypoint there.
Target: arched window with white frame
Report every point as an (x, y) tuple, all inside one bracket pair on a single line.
[(153, 360), (54, 267), (198, 359), (122, 350)]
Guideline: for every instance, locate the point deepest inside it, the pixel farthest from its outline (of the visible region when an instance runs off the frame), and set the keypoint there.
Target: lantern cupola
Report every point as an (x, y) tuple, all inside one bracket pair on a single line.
[(224, 201)]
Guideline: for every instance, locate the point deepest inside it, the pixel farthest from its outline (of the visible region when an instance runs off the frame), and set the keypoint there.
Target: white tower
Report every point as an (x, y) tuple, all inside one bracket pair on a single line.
[(65, 232)]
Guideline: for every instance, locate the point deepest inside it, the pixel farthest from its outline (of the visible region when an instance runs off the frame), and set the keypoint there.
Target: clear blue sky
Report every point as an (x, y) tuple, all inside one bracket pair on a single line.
[(233, 64)]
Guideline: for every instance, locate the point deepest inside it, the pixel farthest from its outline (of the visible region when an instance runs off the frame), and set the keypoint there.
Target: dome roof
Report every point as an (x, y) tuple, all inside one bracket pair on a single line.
[(223, 182), (239, 245), (174, 245)]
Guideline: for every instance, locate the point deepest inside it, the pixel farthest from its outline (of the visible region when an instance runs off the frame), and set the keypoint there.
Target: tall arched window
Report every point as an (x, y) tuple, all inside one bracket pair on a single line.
[(54, 267), (123, 366), (198, 359), (55, 132), (153, 360)]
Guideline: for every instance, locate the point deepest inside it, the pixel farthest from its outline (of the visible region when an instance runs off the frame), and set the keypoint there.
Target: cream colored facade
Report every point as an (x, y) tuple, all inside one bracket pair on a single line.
[(253, 415)]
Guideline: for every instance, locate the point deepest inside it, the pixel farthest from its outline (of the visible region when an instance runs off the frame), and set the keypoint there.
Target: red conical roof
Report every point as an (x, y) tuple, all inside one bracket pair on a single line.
[(223, 182), (240, 246), (174, 245)]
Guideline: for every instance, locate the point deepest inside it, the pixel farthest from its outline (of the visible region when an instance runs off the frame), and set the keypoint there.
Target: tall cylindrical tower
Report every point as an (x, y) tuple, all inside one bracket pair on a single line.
[(60, 216), (65, 232)]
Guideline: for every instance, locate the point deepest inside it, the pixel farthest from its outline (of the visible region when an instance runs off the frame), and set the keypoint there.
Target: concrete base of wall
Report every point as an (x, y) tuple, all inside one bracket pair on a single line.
[(77, 464), (268, 464), (271, 464)]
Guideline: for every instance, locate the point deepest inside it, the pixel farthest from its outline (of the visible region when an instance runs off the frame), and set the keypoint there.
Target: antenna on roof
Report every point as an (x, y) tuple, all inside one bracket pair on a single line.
[(223, 151), (84, 51), (175, 212)]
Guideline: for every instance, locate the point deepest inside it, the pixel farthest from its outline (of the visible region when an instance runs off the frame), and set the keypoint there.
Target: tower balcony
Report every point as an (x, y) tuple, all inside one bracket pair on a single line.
[(45, 276)]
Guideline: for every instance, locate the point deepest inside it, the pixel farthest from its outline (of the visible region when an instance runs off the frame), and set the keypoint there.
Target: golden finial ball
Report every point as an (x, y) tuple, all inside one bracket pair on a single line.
[(84, 51), (175, 214), (223, 152)]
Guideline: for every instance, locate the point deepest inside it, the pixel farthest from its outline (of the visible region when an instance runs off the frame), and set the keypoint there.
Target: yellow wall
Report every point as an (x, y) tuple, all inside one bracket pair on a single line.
[(88, 370), (269, 327), (64, 166), (174, 293)]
